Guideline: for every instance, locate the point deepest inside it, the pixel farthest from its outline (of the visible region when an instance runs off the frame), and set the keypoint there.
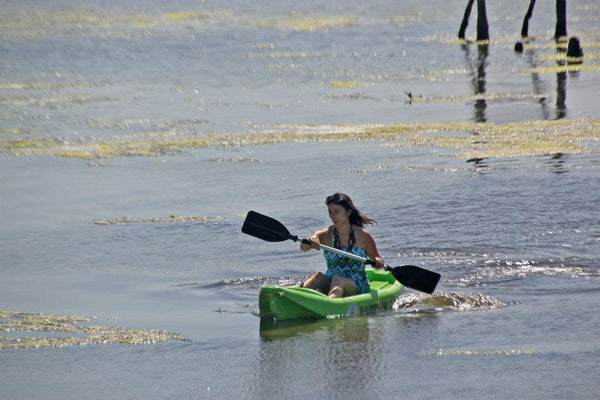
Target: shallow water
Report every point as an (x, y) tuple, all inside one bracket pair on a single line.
[(154, 243)]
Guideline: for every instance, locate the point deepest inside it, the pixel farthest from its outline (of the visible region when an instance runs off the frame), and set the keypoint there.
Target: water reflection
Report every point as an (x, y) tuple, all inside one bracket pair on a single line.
[(558, 163), (336, 358), (480, 104), (561, 95), (323, 356), (347, 329), (537, 83), (560, 111), (478, 78)]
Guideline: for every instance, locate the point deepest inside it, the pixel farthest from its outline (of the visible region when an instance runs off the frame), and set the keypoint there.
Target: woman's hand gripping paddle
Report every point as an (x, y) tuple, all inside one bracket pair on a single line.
[(271, 230)]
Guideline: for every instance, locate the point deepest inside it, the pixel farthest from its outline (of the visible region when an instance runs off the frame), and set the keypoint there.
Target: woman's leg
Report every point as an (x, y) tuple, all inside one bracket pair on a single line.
[(317, 281), (341, 286)]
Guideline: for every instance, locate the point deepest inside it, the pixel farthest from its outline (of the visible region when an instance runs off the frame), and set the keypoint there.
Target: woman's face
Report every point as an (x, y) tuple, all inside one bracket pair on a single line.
[(338, 213)]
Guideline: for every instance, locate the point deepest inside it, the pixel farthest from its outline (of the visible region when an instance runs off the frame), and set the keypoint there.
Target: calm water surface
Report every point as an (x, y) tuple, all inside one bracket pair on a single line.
[(516, 240)]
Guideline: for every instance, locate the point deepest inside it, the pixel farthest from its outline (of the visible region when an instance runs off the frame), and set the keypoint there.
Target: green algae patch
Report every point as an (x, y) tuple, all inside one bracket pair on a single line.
[(481, 353), (66, 330), (300, 22), (236, 160), (60, 102), (575, 67), (477, 97), (199, 15), (15, 131), (346, 84), (15, 145), (562, 57), (109, 22), (469, 139), (489, 140), (39, 85), (72, 20), (318, 23), (289, 54), (170, 219)]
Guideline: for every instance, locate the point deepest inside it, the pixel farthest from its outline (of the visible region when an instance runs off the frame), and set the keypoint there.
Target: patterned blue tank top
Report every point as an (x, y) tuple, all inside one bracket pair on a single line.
[(347, 267)]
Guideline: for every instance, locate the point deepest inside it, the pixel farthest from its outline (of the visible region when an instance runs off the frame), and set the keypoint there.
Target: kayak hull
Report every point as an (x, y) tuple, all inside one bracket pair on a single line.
[(294, 302)]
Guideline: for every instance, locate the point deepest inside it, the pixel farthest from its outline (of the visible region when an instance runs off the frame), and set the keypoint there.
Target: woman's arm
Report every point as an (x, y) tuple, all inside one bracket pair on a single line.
[(316, 238), (371, 248)]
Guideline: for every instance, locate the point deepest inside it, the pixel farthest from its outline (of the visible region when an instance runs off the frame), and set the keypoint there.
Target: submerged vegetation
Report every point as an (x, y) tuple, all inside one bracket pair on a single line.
[(480, 353), (94, 20), (65, 330), (468, 139), (169, 219)]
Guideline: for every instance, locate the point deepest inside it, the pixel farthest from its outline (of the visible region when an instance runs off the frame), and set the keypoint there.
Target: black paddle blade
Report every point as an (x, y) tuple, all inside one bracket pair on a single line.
[(416, 277), (265, 228)]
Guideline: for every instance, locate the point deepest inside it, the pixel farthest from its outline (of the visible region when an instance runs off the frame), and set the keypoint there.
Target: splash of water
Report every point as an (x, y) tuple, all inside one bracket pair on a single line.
[(446, 301)]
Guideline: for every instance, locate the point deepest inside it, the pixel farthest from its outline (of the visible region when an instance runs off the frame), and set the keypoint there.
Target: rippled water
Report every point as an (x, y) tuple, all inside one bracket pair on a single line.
[(154, 244)]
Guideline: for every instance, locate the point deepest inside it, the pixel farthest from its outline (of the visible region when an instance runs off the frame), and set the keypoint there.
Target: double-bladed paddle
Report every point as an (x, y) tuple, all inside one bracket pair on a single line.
[(271, 230)]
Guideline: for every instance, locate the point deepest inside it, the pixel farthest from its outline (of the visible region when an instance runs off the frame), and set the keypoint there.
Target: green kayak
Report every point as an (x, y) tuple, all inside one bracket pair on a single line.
[(294, 302)]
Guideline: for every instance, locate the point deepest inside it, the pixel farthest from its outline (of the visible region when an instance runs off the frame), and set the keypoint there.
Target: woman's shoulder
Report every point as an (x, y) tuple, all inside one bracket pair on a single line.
[(361, 234), (360, 230), (325, 232)]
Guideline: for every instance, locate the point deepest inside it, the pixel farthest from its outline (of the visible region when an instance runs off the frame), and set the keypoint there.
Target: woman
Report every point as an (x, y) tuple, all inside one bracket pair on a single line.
[(344, 276)]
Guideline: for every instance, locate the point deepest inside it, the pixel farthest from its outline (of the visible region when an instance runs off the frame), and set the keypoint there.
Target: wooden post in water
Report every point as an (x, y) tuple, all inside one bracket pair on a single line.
[(483, 31), (465, 21), (525, 28), (561, 19)]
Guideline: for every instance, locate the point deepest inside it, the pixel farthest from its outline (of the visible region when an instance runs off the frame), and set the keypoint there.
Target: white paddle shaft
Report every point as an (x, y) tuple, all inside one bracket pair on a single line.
[(338, 251)]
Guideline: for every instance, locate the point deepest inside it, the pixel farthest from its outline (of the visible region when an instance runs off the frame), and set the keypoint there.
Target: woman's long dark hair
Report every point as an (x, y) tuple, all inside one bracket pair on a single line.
[(356, 218)]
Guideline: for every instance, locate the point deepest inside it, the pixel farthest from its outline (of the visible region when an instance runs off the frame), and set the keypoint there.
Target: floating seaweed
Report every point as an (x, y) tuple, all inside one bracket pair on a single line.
[(169, 219), (346, 84), (236, 159), (65, 330), (470, 139), (565, 68), (487, 353)]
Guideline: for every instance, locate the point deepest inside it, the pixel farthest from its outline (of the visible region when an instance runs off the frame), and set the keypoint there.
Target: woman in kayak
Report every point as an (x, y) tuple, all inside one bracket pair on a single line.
[(344, 276)]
